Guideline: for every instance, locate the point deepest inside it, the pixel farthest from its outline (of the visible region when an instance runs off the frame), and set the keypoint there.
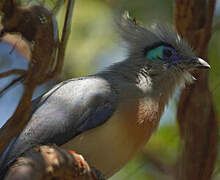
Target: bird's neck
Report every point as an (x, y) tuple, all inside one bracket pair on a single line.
[(123, 78), (131, 79)]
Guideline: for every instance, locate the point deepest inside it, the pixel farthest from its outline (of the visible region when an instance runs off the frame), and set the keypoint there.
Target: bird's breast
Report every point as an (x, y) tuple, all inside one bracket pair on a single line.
[(110, 146)]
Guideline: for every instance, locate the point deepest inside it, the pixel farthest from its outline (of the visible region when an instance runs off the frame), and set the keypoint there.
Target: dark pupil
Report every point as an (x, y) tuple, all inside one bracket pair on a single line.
[(167, 53)]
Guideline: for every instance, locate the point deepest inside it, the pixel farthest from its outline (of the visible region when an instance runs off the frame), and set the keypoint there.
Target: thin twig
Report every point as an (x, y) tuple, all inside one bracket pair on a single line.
[(64, 38), (14, 46), (11, 84), (13, 71)]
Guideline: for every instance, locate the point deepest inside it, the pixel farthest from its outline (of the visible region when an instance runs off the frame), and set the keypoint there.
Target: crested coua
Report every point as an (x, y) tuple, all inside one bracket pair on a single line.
[(109, 116)]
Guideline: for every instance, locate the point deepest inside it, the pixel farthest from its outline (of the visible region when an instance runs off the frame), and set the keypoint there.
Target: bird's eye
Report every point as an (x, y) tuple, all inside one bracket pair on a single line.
[(161, 52), (167, 53), (155, 53)]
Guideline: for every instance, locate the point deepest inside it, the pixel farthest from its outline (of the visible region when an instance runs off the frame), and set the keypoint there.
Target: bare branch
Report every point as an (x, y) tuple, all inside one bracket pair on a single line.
[(11, 84), (13, 71), (64, 38)]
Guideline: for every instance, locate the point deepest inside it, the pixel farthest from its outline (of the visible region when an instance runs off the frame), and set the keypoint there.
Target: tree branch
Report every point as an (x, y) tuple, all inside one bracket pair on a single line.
[(11, 84), (49, 163), (13, 71)]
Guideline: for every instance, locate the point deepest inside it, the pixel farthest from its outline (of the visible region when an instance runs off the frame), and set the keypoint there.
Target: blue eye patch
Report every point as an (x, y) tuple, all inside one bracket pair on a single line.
[(156, 53), (164, 53)]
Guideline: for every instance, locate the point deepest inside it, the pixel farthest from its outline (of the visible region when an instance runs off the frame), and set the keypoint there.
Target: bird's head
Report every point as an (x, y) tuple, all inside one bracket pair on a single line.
[(159, 48)]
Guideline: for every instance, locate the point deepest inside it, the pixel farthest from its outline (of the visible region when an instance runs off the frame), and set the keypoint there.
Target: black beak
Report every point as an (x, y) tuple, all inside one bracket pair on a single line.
[(199, 63)]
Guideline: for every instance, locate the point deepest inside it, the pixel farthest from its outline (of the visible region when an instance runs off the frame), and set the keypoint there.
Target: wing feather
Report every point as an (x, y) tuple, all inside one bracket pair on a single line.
[(66, 111)]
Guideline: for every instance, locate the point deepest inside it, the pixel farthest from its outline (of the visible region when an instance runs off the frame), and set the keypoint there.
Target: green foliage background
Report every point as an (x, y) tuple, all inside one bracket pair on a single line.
[(94, 42)]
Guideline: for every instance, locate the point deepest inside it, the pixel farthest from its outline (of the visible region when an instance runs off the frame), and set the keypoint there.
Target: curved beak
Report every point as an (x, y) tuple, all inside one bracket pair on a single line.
[(199, 63)]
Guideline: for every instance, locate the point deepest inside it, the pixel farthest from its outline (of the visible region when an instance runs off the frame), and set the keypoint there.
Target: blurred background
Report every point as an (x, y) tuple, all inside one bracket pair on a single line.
[(95, 44)]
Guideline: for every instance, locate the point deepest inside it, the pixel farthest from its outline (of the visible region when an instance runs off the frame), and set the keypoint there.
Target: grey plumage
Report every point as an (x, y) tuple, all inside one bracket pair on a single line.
[(109, 116)]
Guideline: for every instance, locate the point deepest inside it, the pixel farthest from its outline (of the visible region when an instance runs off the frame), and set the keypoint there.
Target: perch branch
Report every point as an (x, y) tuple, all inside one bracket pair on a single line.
[(51, 162)]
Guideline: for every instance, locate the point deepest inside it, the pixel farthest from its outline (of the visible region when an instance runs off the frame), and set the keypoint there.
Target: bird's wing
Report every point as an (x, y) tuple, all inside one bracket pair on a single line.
[(67, 110)]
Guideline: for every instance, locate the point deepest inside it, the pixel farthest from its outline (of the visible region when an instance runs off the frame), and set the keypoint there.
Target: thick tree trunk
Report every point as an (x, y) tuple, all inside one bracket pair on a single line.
[(197, 117)]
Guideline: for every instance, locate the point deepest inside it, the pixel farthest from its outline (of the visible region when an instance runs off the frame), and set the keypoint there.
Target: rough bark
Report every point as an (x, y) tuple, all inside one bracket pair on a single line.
[(197, 117), (51, 163)]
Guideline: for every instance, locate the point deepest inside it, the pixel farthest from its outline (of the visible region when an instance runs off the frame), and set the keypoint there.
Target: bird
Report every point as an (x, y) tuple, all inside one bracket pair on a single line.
[(109, 116)]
